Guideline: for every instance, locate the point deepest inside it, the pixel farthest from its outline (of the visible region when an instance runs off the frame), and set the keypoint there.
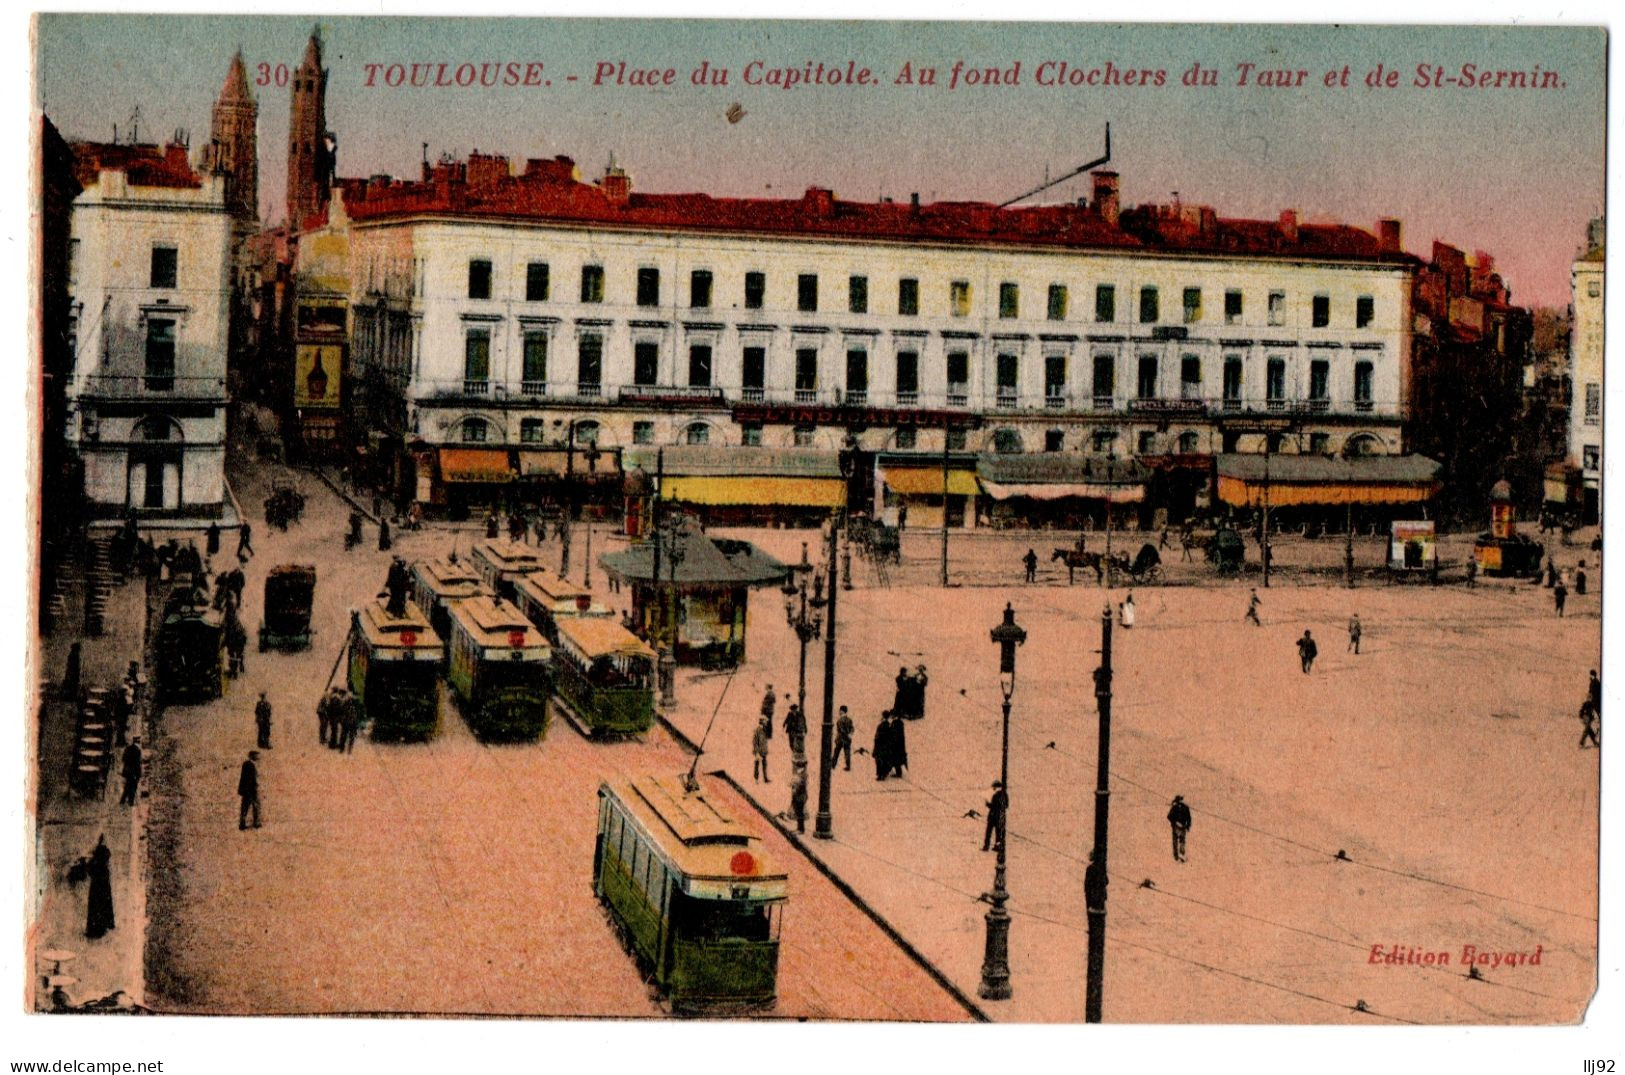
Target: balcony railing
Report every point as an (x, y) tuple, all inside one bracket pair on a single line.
[(806, 395), (1006, 398), (1104, 403), (533, 388), (476, 387), (1232, 403), (1363, 405), (908, 399), (856, 397), (164, 386), (752, 394), (1319, 405), (589, 389), (1055, 401)]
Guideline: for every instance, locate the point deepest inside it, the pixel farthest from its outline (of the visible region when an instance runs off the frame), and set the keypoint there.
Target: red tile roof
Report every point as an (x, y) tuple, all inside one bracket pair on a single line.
[(144, 165)]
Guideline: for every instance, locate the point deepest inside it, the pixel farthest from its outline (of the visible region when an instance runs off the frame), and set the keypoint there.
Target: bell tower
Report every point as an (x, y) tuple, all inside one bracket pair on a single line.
[(310, 168), (234, 146)]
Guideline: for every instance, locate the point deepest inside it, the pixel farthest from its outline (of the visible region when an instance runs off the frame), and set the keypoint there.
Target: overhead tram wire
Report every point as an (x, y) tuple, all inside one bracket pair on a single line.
[(690, 782)]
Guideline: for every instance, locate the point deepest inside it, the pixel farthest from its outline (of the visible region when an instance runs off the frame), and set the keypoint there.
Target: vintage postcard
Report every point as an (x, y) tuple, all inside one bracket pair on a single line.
[(901, 522)]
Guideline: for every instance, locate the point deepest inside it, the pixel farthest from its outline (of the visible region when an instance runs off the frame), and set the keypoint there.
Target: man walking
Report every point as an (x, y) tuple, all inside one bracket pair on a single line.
[(1031, 563), (1307, 651), (324, 716), (998, 807), (1594, 691), (1354, 634), (245, 542), (1560, 594), (798, 797), (795, 730), (130, 769), (843, 740), (352, 723), (248, 790), (1252, 610), (1179, 820), (770, 702), (262, 721), (1588, 713), (212, 539), (758, 752)]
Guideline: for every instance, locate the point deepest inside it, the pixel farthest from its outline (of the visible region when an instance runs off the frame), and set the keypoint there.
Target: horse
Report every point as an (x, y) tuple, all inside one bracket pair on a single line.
[(1076, 558)]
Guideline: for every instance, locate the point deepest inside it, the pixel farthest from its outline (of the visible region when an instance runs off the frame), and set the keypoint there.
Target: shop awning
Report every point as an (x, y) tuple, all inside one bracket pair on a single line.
[(1115, 494), (474, 465), (790, 492), (918, 481), (1322, 481)]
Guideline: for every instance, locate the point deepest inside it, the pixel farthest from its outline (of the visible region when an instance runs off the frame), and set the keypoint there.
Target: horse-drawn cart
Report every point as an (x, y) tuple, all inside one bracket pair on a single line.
[(289, 592)]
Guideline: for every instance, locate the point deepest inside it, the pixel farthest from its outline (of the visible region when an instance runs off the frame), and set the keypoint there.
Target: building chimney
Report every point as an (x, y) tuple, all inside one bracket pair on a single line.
[(820, 200), (617, 186), (914, 202), (1289, 225), (1388, 235), (1106, 206), (175, 156), (486, 168)]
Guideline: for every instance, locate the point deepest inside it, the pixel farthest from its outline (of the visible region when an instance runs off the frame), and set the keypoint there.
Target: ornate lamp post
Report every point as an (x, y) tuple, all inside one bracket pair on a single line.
[(669, 538), (591, 455), (823, 823), (996, 955), (803, 613)]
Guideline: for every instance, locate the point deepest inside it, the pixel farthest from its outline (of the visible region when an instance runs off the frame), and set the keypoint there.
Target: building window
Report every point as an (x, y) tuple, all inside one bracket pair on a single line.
[(1275, 383), (802, 436), (1105, 381), (1365, 311), (534, 374), (1320, 443), (1009, 300), (908, 377), (1277, 307), (1593, 413), (592, 283), (908, 296), (807, 292), (750, 434), (1055, 379), (1232, 382), (1232, 307), (1320, 308), (536, 281), (1320, 387), (1146, 384), (806, 371), (477, 361), (590, 365), (754, 370), (1189, 443), (1147, 442), (1054, 440), (643, 432), (1105, 303), (1104, 442), (1006, 441), (474, 431), (956, 440), (1148, 305), (1006, 375), (1057, 302), (479, 279), (699, 366), (1193, 305), (585, 432), (1362, 386), (160, 368), (755, 289), (697, 433), (165, 266), (645, 363), (959, 298), (699, 289), (1591, 458), (857, 294), (905, 439), (857, 375), (1190, 377), (648, 287), (958, 363), (531, 430)]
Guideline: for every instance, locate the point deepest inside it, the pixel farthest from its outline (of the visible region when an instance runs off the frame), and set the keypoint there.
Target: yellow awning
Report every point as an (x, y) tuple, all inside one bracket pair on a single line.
[(1240, 493), (920, 481), (474, 465), (794, 492)]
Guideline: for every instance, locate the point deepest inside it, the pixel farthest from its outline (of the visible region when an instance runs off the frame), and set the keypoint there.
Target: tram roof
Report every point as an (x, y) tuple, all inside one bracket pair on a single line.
[(492, 622), (505, 555), (379, 628), (544, 585), (445, 576), (599, 636), (701, 838)]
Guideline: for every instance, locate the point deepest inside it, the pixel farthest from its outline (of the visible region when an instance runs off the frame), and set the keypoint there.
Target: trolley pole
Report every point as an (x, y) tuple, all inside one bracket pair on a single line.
[(944, 508), (570, 502), (823, 824), (1095, 876), (1264, 533)]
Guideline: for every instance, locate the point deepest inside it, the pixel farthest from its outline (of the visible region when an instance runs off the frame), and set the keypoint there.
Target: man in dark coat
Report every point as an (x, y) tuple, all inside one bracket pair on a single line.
[(905, 684), (997, 808), (770, 702), (795, 730), (262, 721), (245, 541), (1588, 713), (897, 746), (352, 722), (248, 790), (383, 535), (492, 526), (916, 693), (1594, 691), (353, 538), (212, 542), (1560, 594), (1030, 561), (843, 740), (99, 912), (798, 797), (882, 746), (1580, 579), (758, 751), (1179, 820), (1307, 651), (324, 717), (130, 770)]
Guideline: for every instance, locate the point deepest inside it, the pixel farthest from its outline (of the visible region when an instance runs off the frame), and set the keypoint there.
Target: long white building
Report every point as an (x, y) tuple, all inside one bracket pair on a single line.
[(495, 312), (150, 289)]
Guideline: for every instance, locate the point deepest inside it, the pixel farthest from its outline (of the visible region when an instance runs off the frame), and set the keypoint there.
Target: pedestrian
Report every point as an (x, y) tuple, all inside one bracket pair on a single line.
[(212, 541), (1179, 820), (1594, 691), (1472, 571), (236, 645), (248, 790), (1551, 573), (1354, 634), (905, 687), (383, 535), (1307, 651), (882, 746), (335, 726), (916, 699), (71, 673), (1252, 610), (843, 740), (324, 716), (130, 770), (770, 702), (262, 721), (1588, 713), (1125, 611), (1031, 562), (902, 516), (997, 808), (492, 526), (758, 751), (99, 910), (1162, 542), (795, 730), (352, 722), (898, 746), (798, 796), (1560, 594), (245, 542), (1187, 540), (353, 538), (1580, 580), (516, 527)]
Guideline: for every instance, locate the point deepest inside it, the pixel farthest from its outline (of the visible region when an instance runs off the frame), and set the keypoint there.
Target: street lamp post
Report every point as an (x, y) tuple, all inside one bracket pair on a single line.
[(591, 455), (823, 823), (1094, 878), (569, 502), (670, 538), (803, 614), (996, 953)]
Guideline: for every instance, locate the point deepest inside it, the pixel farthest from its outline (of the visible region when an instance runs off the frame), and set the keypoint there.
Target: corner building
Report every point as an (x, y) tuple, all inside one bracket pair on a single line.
[(521, 315)]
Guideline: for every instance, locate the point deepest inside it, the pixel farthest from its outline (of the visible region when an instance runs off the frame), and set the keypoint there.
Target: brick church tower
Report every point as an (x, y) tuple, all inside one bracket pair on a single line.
[(234, 147), (310, 144)]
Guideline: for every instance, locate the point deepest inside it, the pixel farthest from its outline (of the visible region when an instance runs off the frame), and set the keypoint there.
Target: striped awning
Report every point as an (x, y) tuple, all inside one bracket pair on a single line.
[(474, 465), (1240, 493), (919, 481), (1115, 494), (742, 490)]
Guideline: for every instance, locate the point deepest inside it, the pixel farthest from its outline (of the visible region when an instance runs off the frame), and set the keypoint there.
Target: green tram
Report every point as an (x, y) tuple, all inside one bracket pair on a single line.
[(437, 583), (502, 563), (394, 672), (546, 598), (190, 650), (498, 670), (691, 893), (603, 677)]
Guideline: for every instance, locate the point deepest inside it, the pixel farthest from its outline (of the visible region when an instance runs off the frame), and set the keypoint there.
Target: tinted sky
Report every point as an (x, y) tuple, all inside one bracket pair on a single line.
[(1514, 172)]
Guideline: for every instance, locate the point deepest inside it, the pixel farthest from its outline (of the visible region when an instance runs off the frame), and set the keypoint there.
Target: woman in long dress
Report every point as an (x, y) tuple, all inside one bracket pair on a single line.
[(99, 914)]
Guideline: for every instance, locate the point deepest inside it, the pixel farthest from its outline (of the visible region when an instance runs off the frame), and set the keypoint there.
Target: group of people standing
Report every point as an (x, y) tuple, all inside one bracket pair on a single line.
[(338, 719), (909, 701)]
